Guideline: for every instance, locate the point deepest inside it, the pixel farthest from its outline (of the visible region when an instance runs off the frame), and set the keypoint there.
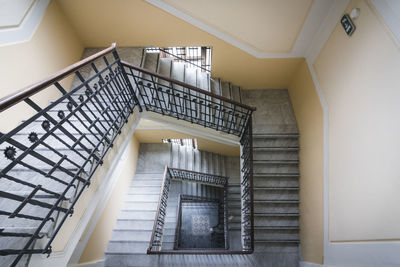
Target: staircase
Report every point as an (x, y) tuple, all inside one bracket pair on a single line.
[(275, 171), (138, 212)]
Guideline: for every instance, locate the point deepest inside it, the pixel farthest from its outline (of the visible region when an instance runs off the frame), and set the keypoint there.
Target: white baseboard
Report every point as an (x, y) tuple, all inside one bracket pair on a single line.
[(363, 254)]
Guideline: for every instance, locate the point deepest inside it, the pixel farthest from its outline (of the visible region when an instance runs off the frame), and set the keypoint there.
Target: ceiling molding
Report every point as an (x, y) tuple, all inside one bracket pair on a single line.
[(326, 28), (24, 30), (389, 10), (319, 11)]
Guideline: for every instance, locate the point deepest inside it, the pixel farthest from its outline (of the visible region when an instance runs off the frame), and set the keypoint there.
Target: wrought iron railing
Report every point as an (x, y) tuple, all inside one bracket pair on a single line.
[(50, 158), (155, 245), (169, 97), (64, 142), (193, 56), (247, 205)]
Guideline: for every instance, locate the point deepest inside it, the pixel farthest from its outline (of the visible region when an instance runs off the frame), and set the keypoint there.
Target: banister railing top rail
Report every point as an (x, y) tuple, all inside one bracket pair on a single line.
[(196, 89), (14, 98)]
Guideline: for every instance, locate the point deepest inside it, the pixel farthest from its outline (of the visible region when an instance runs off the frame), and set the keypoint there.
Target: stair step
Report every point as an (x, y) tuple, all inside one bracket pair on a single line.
[(265, 174), (276, 214), (282, 162), (138, 190), (277, 241), (126, 224), (127, 246), (131, 235), (279, 227), (140, 215), (258, 136), (261, 148), (277, 201), (276, 188)]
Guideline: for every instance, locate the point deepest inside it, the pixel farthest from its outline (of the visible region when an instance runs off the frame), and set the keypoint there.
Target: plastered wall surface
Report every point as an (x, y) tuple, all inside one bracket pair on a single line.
[(359, 77), (53, 46), (97, 244), (309, 116)]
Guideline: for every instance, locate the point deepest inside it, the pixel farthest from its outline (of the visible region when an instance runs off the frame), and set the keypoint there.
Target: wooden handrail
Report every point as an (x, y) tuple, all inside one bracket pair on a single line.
[(14, 98), (166, 78)]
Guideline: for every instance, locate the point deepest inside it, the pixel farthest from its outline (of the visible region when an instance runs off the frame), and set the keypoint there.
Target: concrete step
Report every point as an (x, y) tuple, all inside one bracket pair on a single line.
[(151, 61), (134, 214), (150, 189), (127, 224), (280, 154), (236, 94), (164, 66), (124, 246), (203, 80), (143, 206), (131, 235), (275, 193), (215, 85), (142, 197), (275, 140)]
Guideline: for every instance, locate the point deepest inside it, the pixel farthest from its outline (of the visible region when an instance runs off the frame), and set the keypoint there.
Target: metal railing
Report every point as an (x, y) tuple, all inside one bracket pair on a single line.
[(247, 204), (155, 245), (50, 158), (64, 142), (169, 97), (193, 56)]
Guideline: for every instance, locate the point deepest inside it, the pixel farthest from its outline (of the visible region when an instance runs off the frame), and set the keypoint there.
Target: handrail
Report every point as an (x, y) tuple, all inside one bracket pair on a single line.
[(158, 209), (199, 90), (180, 59), (16, 97), (61, 145), (194, 176)]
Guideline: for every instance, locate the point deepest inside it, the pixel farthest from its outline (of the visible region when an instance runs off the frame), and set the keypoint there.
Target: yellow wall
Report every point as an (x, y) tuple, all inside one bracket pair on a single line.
[(80, 208), (101, 234), (137, 23), (309, 116), (359, 76), (53, 46), (155, 136)]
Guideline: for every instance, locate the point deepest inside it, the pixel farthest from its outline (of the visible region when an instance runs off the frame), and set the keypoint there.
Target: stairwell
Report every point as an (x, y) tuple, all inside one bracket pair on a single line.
[(276, 174), (276, 177)]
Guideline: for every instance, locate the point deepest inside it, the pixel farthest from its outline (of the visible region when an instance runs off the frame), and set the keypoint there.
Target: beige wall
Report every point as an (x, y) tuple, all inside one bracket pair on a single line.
[(53, 46), (137, 23), (97, 244), (359, 77), (81, 207), (309, 116), (155, 136)]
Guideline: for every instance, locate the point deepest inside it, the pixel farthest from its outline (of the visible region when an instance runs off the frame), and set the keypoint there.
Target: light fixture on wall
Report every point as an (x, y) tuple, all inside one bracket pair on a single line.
[(355, 13)]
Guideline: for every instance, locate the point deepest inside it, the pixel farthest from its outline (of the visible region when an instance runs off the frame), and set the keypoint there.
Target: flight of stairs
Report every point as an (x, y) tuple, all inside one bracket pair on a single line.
[(131, 235), (195, 77), (276, 174), (276, 187)]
